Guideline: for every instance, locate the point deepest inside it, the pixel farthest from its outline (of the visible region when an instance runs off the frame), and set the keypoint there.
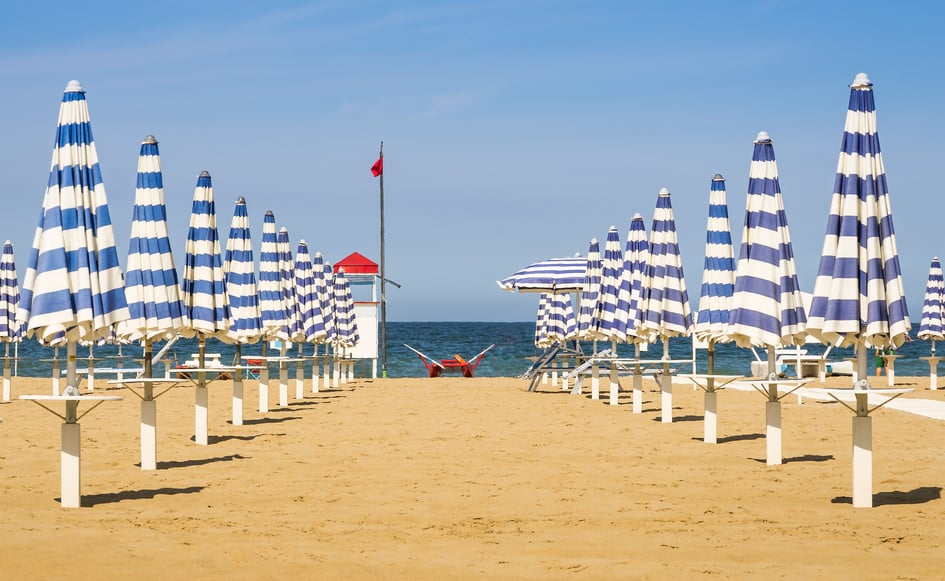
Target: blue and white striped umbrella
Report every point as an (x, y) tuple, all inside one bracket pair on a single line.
[(611, 320), (271, 305), (345, 323), (206, 313), (239, 270), (541, 321), (10, 330), (560, 323), (291, 331), (859, 298), (555, 275), (590, 292), (664, 301), (718, 277), (328, 303), (932, 327), (767, 308), (635, 257), (73, 288), (151, 284), (321, 280), (310, 310)]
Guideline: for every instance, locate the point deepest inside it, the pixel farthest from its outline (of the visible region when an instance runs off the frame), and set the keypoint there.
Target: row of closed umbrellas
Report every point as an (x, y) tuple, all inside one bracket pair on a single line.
[(640, 296)]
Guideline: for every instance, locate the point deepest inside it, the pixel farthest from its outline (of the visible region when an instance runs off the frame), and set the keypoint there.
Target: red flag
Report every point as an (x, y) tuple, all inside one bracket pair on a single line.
[(378, 167)]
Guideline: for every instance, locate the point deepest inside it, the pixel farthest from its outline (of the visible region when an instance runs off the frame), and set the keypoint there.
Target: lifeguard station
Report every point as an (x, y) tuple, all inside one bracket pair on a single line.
[(362, 274)]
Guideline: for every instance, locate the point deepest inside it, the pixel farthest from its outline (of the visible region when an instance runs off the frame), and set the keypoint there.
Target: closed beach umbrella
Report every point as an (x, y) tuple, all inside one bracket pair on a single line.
[(346, 326), (290, 331), (321, 306), (271, 305), (10, 330), (859, 299), (611, 320), (555, 275), (767, 308), (718, 276), (933, 307), (239, 271), (206, 313), (635, 257), (664, 301), (560, 322), (590, 291), (73, 289), (309, 308), (541, 321)]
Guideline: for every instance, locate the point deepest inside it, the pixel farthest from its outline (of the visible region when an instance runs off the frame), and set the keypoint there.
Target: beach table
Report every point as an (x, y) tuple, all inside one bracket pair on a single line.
[(56, 371), (71, 446), (202, 396), (666, 386), (933, 370), (890, 360), (148, 412), (711, 384), (118, 372), (264, 379), (774, 390), (861, 394)]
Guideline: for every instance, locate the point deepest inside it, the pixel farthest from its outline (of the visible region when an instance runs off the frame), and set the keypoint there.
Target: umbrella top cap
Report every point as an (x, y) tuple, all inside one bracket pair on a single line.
[(718, 178), (861, 80), (150, 139), (664, 191), (284, 229), (763, 137), (241, 200), (74, 87), (269, 213), (204, 174), (637, 216)]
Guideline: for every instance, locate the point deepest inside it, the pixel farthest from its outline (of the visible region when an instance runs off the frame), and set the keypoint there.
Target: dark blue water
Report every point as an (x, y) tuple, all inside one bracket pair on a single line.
[(441, 340)]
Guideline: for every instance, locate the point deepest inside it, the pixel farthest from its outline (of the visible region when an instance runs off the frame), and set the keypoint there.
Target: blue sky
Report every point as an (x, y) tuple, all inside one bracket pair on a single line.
[(513, 130)]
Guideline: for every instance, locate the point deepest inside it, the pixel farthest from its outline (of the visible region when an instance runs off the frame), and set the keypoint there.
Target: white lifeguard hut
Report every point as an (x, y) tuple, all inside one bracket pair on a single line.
[(362, 274)]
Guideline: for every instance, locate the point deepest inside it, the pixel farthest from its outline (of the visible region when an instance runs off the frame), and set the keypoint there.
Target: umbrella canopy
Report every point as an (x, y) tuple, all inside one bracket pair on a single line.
[(73, 287), (346, 326), (321, 279), (611, 320), (206, 312), (311, 323), (271, 307), (718, 277), (151, 284), (933, 307), (291, 331), (858, 294), (635, 256), (664, 300), (541, 321), (590, 291), (767, 309), (559, 323), (239, 271), (10, 331), (555, 275)]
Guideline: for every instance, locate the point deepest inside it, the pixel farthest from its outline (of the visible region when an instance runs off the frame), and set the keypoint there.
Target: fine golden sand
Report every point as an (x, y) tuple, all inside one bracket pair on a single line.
[(454, 478)]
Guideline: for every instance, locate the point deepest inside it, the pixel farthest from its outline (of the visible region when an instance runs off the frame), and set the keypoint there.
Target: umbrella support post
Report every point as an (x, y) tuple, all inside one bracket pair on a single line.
[(666, 395), (299, 381), (862, 461), (315, 376), (70, 458), (710, 428), (237, 418), (56, 388), (614, 385), (148, 434), (264, 388), (595, 381), (637, 390), (336, 373), (6, 381), (326, 370), (283, 384), (201, 416), (773, 431)]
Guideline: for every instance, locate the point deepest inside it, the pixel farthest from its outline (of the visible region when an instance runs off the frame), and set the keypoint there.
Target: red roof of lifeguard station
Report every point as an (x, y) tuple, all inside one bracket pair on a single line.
[(356, 263)]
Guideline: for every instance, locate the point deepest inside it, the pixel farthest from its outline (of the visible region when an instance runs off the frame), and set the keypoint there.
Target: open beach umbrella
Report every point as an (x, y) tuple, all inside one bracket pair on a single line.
[(664, 303), (10, 330), (151, 285), (767, 307), (859, 298), (556, 275), (933, 307), (73, 288), (206, 313)]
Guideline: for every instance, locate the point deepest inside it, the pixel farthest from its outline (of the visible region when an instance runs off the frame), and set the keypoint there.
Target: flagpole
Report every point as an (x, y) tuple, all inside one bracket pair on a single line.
[(383, 277)]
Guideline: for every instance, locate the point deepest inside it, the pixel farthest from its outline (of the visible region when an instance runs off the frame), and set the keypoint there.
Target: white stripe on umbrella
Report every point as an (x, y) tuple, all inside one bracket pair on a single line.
[(858, 296), (239, 271), (151, 283), (590, 292), (270, 287), (931, 327), (718, 277), (73, 288), (767, 309), (206, 313)]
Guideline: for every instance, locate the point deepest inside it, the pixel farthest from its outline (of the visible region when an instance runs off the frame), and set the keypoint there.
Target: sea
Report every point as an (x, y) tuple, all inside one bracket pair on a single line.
[(512, 354)]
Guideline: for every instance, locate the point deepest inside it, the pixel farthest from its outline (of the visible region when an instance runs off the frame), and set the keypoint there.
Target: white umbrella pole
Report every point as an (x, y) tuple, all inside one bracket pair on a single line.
[(16, 359), (710, 421), (315, 376), (55, 372), (595, 374), (6, 375), (201, 415), (862, 439), (614, 381), (71, 449), (773, 415), (264, 381), (91, 372), (237, 416), (637, 382), (299, 375), (283, 376), (148, 416), (666, 387)]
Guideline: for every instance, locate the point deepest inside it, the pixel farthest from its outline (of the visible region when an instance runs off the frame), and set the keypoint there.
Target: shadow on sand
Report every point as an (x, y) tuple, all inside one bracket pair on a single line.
[(199, 462), (915, 496), (94, 499)]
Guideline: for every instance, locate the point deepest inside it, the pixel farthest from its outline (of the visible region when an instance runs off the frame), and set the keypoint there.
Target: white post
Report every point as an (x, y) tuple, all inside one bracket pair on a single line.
[(70, 459), (264, 388), (201, 415), (637, 382), (238, 398), (666, 387), (91, 372), (6, 380), (891, 371), (148, 434), (56, 388), (299, 380), (326, 370), (773, 431), (315, 369), (595, 376), (862, 461), (614, 385), (710, 422), (283, 378)]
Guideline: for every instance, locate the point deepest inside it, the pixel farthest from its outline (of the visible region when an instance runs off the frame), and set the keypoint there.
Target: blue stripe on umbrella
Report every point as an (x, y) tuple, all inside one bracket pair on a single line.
[(664, 300), (311, 324), (73, 288), (345, 322), (933, 307), (858, 294), (151, 283), (635, 257), (590, 293), (718, 277), (291, 331), (767, 309), (552, 275), (270, 287), (239, 271), (206, 313), (10, 330)]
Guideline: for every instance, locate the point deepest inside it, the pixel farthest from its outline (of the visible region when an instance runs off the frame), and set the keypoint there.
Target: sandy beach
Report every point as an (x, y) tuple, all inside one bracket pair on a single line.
[(471, 478)]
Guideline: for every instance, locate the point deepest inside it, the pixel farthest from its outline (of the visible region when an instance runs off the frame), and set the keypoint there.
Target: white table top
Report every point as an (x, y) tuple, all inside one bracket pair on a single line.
[(144, 380), (71, 397), (112, 370), (858, 391)]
